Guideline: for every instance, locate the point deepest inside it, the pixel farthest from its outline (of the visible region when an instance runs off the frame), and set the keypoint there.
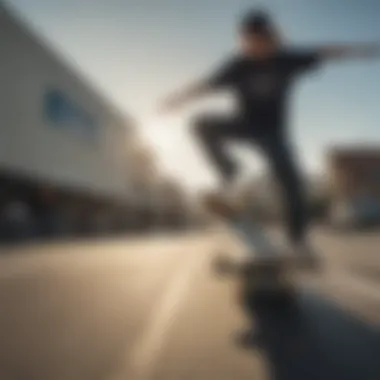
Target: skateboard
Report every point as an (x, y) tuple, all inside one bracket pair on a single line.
[(265, 271)]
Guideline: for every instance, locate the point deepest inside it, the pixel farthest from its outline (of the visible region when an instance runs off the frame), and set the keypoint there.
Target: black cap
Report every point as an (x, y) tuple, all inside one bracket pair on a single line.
[(256, 21)]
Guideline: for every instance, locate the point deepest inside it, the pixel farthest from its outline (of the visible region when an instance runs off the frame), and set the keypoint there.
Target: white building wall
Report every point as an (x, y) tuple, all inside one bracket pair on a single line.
[(33, 143)]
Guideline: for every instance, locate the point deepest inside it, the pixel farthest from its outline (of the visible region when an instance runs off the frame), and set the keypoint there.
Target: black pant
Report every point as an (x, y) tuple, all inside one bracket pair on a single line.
[(214, 131)]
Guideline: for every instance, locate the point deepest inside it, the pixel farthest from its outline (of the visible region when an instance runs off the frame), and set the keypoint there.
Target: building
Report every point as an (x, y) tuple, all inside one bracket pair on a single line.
[(354, 175), (66, 152), (355, 172), (63, 146)]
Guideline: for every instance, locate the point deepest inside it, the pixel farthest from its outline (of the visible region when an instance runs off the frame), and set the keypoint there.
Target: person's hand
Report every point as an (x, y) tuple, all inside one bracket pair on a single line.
[(180, 98), (170, 104)]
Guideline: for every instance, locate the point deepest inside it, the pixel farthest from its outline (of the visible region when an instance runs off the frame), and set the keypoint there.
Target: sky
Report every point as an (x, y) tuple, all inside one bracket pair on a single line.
[(138, 51)]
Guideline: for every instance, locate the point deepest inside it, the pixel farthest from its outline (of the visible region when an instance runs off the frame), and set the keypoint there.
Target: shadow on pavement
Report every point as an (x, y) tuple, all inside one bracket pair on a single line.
[(314, 340)]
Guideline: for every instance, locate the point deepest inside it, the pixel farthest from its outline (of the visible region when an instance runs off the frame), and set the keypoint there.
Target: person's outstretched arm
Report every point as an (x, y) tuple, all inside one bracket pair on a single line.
[(338, 52), (186, 95), (221, 78)]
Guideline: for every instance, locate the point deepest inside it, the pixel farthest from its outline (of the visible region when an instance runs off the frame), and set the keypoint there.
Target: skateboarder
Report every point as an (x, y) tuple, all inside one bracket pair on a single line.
[(261, 76)]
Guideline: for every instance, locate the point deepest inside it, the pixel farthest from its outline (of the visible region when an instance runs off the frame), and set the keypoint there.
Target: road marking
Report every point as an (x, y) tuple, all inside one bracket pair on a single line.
[(146, 353), (351, 291), (355, 284)]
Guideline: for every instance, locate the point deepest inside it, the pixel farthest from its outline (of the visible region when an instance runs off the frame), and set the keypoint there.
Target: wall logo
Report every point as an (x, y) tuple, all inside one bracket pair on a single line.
[(61, 111)]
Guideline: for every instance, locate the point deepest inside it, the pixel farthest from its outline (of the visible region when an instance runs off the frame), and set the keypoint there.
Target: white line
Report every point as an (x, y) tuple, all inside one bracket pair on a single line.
[(355, 284), (146, 353), (360, 296)]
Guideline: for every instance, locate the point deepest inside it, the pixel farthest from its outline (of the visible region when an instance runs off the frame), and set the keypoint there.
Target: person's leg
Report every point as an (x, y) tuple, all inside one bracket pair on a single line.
[(212, 132), (287, 174)]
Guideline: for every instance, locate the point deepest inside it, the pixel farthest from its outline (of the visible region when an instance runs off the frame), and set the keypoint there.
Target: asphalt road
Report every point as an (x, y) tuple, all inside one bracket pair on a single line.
[(152, 309)]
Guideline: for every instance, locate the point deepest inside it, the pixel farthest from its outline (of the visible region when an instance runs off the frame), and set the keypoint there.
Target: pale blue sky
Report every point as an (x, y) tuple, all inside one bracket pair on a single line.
[(136, 51)]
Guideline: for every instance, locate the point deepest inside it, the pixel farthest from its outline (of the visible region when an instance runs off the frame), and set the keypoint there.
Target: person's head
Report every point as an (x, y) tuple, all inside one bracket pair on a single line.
[(258, 35)]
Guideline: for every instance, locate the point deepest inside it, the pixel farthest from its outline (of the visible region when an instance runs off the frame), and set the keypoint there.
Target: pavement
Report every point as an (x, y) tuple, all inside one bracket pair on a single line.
[(151, 309)]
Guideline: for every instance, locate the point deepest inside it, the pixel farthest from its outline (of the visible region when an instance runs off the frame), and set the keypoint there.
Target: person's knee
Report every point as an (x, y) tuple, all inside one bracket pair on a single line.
[(204, 127)]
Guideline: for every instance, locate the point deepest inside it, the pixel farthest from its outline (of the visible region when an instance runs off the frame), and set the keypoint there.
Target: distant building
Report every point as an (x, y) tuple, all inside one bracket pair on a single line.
[(355, 173)]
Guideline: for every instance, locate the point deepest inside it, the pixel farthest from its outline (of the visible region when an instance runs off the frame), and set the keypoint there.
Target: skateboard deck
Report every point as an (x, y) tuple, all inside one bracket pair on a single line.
[(265, 269)]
